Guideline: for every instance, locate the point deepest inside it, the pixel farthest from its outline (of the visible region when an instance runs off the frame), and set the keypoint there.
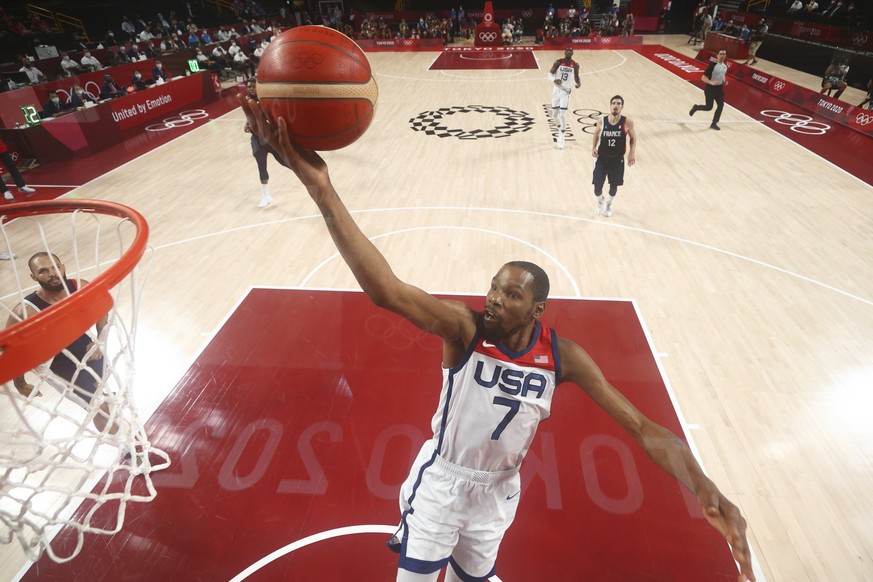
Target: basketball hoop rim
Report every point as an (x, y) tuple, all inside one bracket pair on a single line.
[(38, 338)]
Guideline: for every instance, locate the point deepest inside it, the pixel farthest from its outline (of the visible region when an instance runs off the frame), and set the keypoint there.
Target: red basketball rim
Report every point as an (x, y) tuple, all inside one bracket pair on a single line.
[(36, 339)]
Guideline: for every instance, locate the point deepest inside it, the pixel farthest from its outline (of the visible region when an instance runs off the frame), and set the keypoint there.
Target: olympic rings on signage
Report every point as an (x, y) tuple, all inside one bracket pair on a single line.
[(797, 122), (487, 36), (182, 120), (863, 119)]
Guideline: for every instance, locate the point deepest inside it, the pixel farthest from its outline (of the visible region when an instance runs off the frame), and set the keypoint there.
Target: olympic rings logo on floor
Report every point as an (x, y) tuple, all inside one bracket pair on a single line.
[(797, 122), (588, 119), (863, 119), (184, 119), (436, 122), (488, 36)]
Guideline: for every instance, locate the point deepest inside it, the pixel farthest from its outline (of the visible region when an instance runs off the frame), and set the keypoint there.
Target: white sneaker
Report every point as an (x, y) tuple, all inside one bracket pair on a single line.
[(608, 210), (27, 189), (598, 210), (265, 201), (8, 196), (560, 140)]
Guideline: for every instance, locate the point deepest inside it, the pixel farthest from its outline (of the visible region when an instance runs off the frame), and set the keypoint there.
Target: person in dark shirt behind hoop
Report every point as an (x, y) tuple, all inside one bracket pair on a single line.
[(79, 384)]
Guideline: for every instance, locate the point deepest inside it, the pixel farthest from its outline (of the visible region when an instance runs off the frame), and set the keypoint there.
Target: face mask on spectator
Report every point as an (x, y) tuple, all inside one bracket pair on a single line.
[(137, 75), (56, 100)]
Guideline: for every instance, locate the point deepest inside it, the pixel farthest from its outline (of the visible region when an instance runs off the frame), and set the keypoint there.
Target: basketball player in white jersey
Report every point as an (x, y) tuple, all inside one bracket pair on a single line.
[(560, 76), (500, 369)]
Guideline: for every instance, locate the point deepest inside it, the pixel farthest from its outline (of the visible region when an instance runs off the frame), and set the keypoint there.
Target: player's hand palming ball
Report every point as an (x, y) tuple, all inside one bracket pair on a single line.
[(321, 82)]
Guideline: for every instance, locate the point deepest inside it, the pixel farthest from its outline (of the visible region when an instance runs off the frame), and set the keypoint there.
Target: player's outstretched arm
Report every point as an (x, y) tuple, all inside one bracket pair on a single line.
[(368, 265), (663, 447)]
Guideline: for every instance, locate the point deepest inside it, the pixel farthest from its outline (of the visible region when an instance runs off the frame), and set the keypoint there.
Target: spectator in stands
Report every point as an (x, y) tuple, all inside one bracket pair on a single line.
[(110, 39), (80, 97), (233, 48), (69, 66), (146, 34), (718, 24), (128, 28), (162, 24), (852, 16), (835, 10), (172, 44), (110, 88), (90, 63), (132, 51), (745, 34), (221, 56), (243, 65), (193, 39), (53, 107), (205, 38), (795, 7), (160, 72), (222, 35), (731, 29), (258, 52), (206, 63), (811, 7), (137, 82), (33, 74), (835, 77)]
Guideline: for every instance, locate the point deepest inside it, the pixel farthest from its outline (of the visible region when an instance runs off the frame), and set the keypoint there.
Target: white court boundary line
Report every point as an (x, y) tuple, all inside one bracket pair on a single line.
[(602, 223), (315, 538)]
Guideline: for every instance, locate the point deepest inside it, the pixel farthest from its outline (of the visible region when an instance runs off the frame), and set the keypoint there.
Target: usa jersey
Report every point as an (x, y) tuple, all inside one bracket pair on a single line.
[(566, 74), (493, 400), (612, 138)]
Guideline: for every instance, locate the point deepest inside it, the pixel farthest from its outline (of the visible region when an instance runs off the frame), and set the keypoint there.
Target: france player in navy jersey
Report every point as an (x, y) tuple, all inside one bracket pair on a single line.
[(507, 336), (613, 136)]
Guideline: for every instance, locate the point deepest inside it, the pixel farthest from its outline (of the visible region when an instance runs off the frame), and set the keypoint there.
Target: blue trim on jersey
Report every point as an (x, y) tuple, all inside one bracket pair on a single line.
[(469, 578), (556, 356), (451, 384), (423, 566), (535, 336)]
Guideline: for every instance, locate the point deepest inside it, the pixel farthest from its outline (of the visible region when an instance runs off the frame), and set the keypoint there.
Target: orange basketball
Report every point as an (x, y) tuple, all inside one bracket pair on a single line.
[(320, 81)]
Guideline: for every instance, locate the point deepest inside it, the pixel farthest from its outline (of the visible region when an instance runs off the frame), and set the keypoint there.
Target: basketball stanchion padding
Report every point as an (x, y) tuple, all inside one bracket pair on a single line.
[(73, 451)]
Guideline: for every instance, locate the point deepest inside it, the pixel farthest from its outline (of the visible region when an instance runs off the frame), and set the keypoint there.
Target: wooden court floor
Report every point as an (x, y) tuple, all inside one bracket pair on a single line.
[(748, 258)]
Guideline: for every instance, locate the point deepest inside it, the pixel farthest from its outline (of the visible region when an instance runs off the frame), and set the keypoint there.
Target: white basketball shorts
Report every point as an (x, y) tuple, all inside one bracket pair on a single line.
[(453, 514)]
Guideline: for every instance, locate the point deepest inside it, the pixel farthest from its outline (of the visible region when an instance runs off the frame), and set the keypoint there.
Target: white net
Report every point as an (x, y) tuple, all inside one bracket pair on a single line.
[(73, 451)]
